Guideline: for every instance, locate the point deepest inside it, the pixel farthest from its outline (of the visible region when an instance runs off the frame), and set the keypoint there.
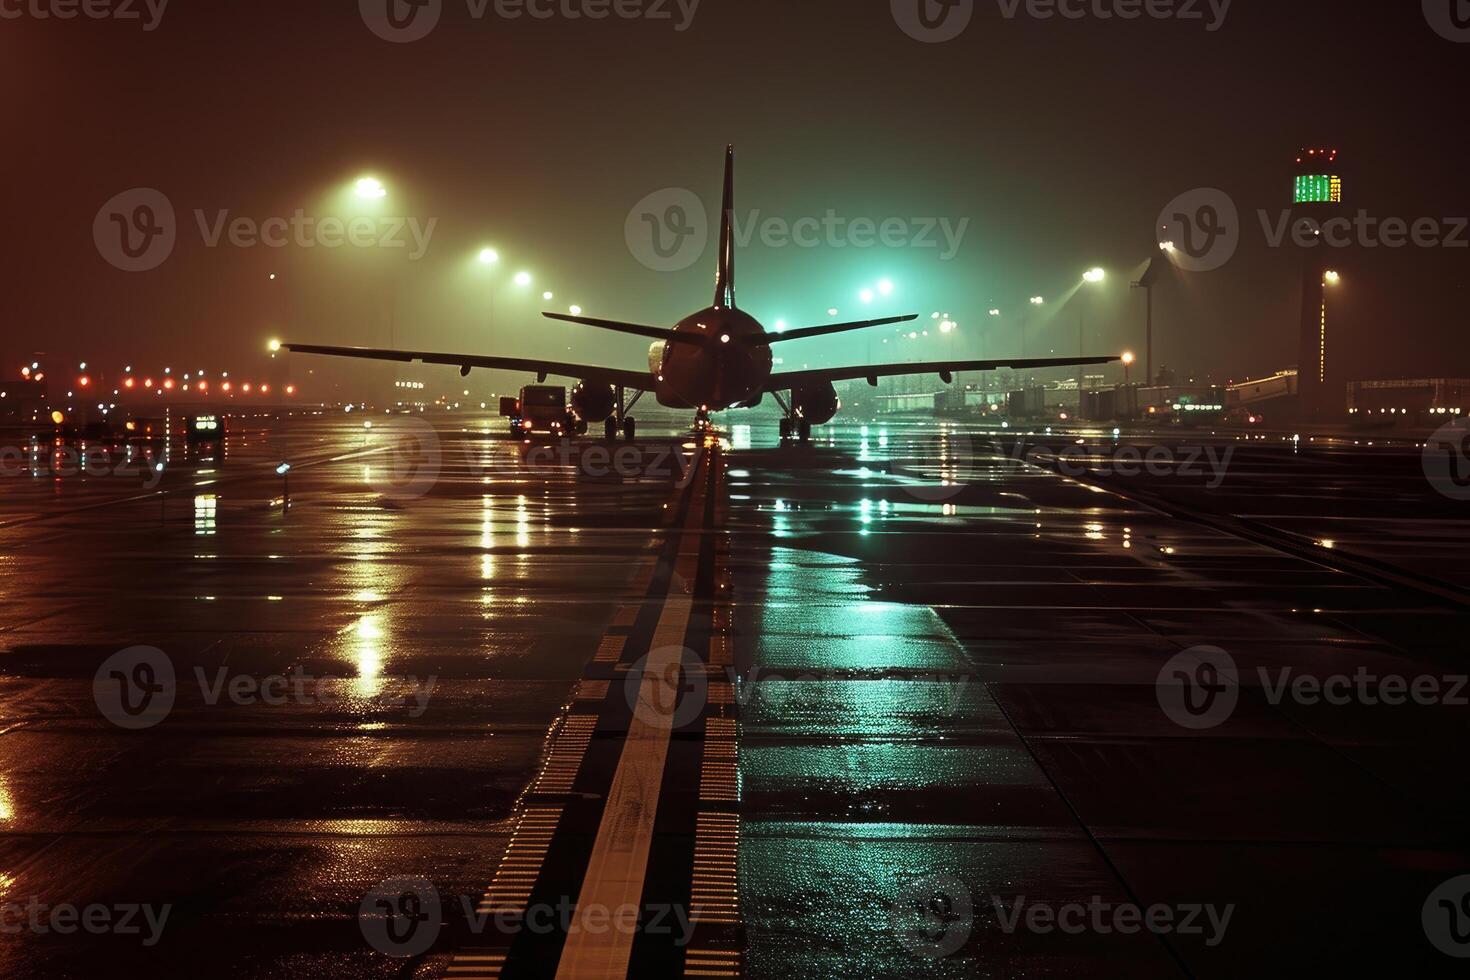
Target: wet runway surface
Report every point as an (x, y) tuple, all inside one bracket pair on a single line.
[(992, 713)]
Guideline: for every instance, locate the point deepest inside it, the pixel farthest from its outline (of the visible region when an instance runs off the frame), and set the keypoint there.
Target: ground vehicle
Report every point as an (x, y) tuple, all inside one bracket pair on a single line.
[(541, 410)]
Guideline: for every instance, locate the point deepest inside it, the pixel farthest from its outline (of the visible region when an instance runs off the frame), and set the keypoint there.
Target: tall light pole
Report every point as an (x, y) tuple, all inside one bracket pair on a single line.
[(1146, 283), (1091, 277)]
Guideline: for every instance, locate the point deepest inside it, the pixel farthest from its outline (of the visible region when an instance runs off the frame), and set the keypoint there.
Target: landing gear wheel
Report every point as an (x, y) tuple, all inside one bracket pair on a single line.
[(785, 431), (610, 429), (803, 432), (630, 429)]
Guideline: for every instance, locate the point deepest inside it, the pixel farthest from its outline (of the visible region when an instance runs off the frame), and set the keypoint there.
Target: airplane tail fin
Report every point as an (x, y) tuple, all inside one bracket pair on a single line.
[(725, 274)]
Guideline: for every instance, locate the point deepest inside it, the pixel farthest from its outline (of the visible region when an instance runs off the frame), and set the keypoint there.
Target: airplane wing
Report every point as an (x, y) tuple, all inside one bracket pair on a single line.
[(640, 380), (784, 380)]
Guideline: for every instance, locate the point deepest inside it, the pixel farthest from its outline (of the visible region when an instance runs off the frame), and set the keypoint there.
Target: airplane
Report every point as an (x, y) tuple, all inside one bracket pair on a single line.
[(716, 359)]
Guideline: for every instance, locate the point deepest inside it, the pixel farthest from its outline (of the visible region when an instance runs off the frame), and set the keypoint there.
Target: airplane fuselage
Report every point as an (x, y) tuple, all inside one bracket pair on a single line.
[(723, 370)]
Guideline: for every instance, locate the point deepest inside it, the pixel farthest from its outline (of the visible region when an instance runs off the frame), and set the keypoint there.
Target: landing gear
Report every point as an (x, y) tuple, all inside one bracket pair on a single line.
[(798, 431), (620, 420), (793, 427)]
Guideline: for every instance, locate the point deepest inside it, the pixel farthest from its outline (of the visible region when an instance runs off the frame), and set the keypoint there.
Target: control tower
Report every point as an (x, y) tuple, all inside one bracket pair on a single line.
[(1317, 197)]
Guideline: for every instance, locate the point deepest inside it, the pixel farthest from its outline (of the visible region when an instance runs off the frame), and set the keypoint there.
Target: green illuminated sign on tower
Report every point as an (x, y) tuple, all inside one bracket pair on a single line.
[(1318, 189)]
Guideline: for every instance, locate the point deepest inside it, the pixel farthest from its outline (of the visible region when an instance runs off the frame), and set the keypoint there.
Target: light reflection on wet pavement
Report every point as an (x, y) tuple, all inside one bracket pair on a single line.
[(948, 667), (949, 707)]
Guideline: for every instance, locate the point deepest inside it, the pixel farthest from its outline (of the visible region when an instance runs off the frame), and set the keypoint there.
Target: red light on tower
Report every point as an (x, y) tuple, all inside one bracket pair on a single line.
[(245, 387), (265, 389), (290, 389), (83, 381), (168, 384), (25, 372), (147, 382), (128, 382)]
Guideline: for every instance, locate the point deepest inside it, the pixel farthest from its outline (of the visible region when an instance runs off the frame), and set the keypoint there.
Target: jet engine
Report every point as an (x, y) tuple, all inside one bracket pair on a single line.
[(816, 403), (593, 403)]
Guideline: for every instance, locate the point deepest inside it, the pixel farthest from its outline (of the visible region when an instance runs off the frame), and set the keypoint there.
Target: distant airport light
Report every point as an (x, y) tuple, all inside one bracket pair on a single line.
[(83, 381), (780, 326), (866, 296), (995, 312), (128, 382), (724, 338), (885, 286), (576, 310), (290, 389), (832, 311), (523, 279), (147, 382), (168, 384), (488, 256), (25, 372), (1128, 358), (1333, 277), (1168, 247), (274, 346), (82, 366), (548, 296), (370, 189), (57, 418), (1037, 301), (1094, 275)]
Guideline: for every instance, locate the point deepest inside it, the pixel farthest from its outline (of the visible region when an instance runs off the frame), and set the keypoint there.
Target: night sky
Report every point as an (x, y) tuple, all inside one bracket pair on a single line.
[(1059, 142)]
